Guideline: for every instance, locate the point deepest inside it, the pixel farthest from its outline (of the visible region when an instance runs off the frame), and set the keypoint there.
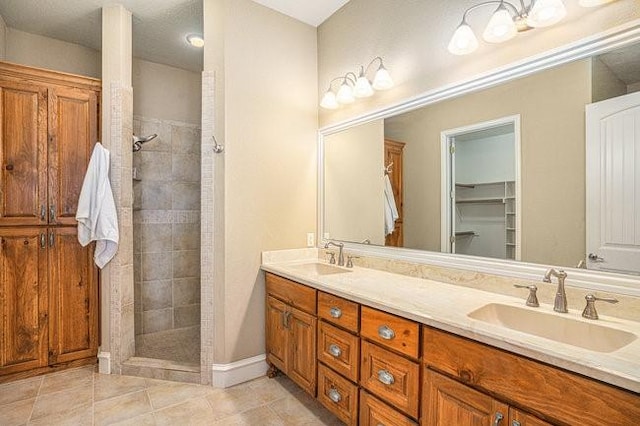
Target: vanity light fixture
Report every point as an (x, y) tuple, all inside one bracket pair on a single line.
[(354, 86), (195, 40), (507, 20)]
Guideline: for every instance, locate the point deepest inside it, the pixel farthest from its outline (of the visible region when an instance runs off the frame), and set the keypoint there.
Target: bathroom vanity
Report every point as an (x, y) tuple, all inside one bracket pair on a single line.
[(382, 348)]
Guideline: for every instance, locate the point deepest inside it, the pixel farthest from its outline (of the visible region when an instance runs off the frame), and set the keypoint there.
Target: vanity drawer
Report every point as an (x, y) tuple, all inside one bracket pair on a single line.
[(391, 377), (391, 331), (292, 293), (338, 395), (339, 311), (339, 350), (558, 395), (374, 412)]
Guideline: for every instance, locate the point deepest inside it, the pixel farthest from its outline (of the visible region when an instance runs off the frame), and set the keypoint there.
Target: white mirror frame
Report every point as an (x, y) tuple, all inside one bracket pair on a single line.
[(608, 282)]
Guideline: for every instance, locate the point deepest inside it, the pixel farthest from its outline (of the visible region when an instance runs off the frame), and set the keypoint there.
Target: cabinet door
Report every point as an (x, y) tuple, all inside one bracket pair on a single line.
[(393, 156), (276, 333), (520, 418), (23, 154), (447, 402), (23, 300), (73, 298), (73, 131), (301, 367)]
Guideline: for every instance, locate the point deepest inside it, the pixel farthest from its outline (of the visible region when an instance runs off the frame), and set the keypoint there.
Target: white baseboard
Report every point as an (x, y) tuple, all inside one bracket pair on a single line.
[(226, 375), (104, 362)]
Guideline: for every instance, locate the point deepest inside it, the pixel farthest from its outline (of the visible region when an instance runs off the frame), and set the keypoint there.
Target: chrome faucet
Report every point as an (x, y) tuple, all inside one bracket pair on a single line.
[(560, 303), (340, 254)]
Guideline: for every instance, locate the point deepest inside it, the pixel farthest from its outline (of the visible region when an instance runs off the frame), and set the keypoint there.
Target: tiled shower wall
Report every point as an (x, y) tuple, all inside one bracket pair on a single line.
[(166, 220)]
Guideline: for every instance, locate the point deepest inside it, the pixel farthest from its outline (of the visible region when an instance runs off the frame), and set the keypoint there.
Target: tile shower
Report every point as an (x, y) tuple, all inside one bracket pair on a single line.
[(166, 221)]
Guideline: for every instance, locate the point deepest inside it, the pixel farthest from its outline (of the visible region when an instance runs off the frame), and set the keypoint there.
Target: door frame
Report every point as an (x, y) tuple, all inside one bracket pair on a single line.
[(447, 192)]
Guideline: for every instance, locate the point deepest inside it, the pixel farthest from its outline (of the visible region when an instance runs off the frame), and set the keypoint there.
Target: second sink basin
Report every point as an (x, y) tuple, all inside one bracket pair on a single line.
[(587, 335), (319, 268)]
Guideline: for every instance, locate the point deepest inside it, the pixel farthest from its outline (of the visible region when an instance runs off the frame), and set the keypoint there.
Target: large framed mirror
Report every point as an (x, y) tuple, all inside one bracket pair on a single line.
[(500, 169)]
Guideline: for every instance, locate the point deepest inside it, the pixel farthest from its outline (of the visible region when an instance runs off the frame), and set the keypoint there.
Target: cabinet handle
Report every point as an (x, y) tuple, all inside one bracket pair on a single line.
[(52, 213), (285, 319), (497, 419), (386, 333), (385, 377), (43, 240), (43, 213), (335, 350), (52, 239), (335, 312), (334, 395), (516, 423)]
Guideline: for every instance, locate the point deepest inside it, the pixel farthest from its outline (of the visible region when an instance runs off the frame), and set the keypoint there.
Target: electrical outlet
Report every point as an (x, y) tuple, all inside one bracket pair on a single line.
[(311, 239)]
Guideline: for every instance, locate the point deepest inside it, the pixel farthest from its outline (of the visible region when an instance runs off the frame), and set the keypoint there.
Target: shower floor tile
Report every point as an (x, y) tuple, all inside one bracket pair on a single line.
[(180, 345)]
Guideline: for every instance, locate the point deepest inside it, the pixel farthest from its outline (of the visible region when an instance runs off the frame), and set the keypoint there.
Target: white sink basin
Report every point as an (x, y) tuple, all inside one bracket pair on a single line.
[(319, 268), (584, 334)]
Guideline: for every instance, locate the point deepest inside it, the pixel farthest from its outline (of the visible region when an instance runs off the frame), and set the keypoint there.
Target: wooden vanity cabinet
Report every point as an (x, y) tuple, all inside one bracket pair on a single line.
[(489, 375), (291, 332)]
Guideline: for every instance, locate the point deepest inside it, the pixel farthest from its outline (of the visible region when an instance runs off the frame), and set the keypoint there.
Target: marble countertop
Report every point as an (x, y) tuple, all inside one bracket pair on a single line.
[(445, 306)]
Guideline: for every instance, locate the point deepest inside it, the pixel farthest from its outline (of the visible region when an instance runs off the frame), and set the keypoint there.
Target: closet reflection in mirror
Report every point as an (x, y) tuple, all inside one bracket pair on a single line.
[(544, 188)]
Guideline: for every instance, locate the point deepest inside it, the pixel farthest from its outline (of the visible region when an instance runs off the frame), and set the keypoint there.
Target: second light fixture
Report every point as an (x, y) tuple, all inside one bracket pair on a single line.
[(354, 86)]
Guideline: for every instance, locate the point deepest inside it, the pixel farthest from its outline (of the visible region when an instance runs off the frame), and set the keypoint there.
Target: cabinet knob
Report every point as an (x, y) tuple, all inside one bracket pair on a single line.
[(334, 395), (335, 350), (385, 377), (497, 418), (386, 332), (335, 312), (9, 167)]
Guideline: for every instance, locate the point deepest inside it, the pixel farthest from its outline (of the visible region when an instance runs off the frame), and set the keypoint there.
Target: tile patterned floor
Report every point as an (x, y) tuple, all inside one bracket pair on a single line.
[(83, 397), (179, 345)]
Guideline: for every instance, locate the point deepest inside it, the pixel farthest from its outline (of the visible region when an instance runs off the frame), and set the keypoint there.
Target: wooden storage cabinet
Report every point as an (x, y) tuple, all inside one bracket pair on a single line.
[(49, 123), (290, 332), (391, 331), (552, 394), (374, 412), (339, 350), (338, 395), (339, 311)]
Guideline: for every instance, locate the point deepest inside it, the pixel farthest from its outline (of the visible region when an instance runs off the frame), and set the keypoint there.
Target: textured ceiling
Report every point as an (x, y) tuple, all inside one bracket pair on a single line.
[(159, 26), (625, 63)]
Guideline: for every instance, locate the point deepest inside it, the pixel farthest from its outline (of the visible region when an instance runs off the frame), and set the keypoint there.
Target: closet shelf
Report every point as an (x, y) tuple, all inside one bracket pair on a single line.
[(466, 234), (511, 244), (489, 200)]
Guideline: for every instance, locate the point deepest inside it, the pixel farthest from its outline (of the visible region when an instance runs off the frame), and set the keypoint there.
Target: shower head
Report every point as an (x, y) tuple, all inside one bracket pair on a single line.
[(139, 140)]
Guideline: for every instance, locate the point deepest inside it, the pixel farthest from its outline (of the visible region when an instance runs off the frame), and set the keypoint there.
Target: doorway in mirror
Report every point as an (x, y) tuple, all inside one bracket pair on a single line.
[(480, 194)]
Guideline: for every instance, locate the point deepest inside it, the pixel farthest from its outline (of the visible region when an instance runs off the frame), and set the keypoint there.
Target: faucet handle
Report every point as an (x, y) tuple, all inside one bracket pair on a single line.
[(350, 260), (532, 299), (332, 257), (589, 311)]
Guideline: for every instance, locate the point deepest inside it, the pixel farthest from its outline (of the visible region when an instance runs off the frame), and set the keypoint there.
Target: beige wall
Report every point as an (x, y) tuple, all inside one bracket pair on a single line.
[(266, 100), (166, 93), (604, 83), (553, 153), (413, 38), (353, 202), (44, 52), (3, 39)]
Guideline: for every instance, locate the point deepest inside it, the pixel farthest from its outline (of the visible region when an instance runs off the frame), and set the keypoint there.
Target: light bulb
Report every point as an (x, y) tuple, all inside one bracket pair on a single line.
[(464, 41), (382, 80), (546, 12), (195, 40), (594, 3), (329, 100), (363, 88), (500, 27), (345, 93)]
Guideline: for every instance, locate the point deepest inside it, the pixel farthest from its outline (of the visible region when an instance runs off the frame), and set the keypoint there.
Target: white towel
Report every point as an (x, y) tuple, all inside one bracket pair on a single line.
[(390, 208), (96, 215)]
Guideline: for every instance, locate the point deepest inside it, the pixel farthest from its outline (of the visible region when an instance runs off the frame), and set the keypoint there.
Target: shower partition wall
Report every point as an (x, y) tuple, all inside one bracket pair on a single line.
[(167, 241)]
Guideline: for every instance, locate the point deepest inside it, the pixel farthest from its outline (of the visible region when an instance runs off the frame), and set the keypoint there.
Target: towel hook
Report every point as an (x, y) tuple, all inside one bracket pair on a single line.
[(217, 148)]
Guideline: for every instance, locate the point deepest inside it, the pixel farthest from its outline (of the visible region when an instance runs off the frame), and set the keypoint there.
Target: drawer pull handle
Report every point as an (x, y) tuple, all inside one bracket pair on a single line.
[(52, 213), (335, 312), (334, 395), (497, 419), (386, 333), (335, 350), (516, 423), (385, 377)]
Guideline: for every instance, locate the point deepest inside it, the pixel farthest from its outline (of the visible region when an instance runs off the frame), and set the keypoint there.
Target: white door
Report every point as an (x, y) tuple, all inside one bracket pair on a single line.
[(613, 184)]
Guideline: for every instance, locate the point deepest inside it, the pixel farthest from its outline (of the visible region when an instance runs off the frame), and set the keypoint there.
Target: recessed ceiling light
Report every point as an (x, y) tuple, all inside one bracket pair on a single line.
[(195, 40)]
